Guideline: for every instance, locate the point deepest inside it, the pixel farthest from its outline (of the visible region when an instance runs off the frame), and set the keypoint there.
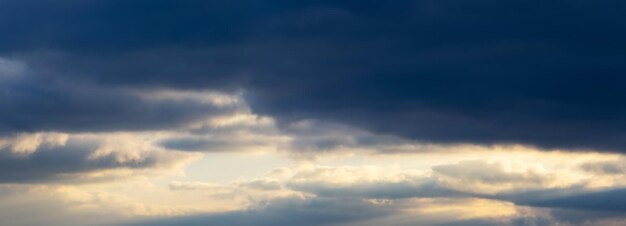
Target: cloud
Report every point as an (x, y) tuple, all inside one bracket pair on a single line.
[(491, 180), (241, 131), (497, 180), (26, 144), (325, 211), (82, 108), (10, 68), (45, 158), (613, 167), (393, 195), (29, 204), (77, 106), (26, 205), (312, 137), (430, 71), (368, 182), (288, 211), (108, 89), (497, 176), (519, 184), (257, 184), (608, 201)]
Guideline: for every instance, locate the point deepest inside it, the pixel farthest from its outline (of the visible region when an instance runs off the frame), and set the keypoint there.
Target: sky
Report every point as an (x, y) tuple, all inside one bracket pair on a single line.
[(312, 113)]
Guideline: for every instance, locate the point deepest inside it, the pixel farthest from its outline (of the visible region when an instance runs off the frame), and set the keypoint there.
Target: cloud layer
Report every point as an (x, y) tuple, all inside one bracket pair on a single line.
[(525, 72), (349, 112)]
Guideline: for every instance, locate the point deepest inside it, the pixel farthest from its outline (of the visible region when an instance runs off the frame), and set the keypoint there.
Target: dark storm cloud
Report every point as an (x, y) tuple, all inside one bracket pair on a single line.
[(541, 73), (191, 144), (36, 106)]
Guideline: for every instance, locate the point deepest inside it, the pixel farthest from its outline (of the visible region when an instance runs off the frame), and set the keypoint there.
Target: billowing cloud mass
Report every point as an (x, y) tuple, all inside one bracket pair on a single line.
[(349, 112)]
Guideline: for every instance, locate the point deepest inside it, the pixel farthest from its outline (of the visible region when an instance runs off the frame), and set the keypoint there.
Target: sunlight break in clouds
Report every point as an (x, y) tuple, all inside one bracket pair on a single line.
[(326, 163)]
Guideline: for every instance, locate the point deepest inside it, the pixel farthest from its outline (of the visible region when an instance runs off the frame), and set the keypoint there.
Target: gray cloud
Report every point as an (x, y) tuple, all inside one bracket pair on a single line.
[(609, 201), (515, 221), (289, 211), (388, 191), (490, 173), (422, 187), (34, 104), (524, 72), (74, 160), (615, 167)]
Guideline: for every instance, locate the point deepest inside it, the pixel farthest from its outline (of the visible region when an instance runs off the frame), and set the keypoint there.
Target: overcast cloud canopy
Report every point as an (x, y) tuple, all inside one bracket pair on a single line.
[(533, 72)]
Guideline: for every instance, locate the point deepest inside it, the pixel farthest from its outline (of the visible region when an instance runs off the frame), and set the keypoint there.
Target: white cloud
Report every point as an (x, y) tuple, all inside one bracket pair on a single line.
[(26, 144)]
